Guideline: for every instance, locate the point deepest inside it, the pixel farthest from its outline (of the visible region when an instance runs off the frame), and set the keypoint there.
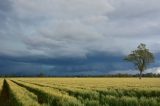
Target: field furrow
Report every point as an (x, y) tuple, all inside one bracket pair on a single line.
[(50, 95), (109, 96), (23, 96), (1, 85), (87, 97), (80, 92), (108, 91), (101, 83), (6, 97)]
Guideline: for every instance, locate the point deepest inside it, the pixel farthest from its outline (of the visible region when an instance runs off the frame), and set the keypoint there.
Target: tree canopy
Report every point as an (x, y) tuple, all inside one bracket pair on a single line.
[(141, 58)]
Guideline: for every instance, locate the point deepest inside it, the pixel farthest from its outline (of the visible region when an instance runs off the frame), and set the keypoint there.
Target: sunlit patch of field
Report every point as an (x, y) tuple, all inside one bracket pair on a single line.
[(83, 91), (100, 82)]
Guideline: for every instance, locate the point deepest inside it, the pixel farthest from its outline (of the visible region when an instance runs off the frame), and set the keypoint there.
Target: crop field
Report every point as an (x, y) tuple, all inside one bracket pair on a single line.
[(79, 92)]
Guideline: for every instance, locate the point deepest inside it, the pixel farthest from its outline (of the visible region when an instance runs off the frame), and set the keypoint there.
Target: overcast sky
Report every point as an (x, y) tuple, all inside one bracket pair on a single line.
[(76, 37)]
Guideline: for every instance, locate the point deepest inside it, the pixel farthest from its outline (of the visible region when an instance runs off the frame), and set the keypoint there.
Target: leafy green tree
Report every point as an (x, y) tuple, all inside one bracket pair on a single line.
[(141, 58)]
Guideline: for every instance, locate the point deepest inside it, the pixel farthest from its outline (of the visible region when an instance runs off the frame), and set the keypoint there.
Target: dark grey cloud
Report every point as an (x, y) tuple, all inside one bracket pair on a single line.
[(94, 64), (75, 35)]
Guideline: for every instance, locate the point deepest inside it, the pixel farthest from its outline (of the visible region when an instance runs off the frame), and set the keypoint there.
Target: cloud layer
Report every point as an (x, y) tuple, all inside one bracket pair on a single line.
[(77, 29)]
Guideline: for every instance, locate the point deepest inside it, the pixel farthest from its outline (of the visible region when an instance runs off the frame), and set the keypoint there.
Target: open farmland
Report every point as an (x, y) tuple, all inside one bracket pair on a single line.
[(80, 92)]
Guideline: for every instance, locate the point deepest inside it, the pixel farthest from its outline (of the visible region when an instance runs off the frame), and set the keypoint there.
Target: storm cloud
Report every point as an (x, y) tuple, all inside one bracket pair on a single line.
[(78, 36)]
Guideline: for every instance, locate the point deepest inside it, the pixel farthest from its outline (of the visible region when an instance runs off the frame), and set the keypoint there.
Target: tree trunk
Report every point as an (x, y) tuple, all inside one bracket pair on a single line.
[(140, 75)]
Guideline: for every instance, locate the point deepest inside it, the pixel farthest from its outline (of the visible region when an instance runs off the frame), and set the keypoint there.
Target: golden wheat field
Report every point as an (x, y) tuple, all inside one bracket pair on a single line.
[(80, 92)]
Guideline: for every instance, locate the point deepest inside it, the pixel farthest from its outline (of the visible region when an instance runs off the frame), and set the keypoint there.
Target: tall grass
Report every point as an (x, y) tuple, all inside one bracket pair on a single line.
[(23, 96), (87, 97), (1, 85), (71, 92), (6, 97), (113, 97), (51, 96), (148, 83)]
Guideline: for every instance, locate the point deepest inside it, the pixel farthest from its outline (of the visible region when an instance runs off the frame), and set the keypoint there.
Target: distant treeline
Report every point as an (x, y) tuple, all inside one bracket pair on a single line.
[(109, 75)]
